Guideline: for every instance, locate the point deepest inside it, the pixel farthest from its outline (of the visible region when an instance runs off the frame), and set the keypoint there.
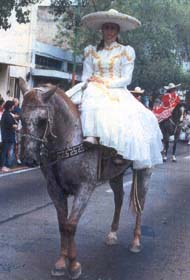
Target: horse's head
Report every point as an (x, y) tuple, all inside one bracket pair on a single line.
[(179, 112), (37, 117)]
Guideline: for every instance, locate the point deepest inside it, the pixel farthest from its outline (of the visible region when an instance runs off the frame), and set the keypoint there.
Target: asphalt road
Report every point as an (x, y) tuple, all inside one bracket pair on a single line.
[(29, 238)]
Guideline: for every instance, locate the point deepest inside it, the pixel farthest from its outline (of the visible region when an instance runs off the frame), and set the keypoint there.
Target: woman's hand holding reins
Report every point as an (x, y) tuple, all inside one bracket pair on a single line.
[(99, 80)]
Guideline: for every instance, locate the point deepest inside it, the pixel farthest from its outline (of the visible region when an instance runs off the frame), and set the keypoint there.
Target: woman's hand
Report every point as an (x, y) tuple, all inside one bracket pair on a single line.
[(96, 80), (99, 80)]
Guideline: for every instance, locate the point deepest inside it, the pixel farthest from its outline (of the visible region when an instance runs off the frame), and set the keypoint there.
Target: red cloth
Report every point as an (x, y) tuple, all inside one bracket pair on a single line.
[(169, 102)]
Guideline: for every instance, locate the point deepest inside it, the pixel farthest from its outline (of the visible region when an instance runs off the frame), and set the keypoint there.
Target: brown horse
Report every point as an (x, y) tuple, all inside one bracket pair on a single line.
[(52, 136)]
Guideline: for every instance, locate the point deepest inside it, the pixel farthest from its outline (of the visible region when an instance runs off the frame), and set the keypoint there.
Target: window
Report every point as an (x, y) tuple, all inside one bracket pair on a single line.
[(47, 63)]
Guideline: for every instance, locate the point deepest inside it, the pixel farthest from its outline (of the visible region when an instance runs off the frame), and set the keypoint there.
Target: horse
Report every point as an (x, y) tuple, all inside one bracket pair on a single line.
[(52, 138), (172, 126)]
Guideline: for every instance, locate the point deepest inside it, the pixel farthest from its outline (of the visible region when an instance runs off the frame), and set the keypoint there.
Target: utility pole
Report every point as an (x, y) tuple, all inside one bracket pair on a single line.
[(77, 19)]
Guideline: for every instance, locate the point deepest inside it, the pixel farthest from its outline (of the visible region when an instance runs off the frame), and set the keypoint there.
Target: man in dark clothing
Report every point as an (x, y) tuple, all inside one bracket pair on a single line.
[(17, 114), (8, 128)]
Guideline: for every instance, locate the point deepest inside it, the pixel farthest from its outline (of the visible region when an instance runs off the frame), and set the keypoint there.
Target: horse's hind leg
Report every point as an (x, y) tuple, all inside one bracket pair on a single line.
[(61, 205), (139, 189), (117, 187)]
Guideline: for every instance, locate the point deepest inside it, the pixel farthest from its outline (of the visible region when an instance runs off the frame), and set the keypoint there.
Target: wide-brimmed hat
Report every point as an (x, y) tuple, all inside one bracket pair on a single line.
[(137, 90), (171, 86), (96, 20)]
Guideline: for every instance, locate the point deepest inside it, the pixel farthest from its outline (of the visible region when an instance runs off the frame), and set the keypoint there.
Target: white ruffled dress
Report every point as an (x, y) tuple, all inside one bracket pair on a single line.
[(111, 112)]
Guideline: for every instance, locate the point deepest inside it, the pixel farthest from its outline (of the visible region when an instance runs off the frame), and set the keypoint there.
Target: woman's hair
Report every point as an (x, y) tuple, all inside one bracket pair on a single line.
[(8, 105), (100, 46)]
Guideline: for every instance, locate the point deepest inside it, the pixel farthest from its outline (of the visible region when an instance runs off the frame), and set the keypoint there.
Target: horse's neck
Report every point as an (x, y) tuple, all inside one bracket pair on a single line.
[(177, 114), (67, 126)]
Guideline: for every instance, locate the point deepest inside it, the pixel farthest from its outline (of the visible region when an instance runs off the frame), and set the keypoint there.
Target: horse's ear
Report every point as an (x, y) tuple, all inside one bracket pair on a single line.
[(48, 94), (23, 85)]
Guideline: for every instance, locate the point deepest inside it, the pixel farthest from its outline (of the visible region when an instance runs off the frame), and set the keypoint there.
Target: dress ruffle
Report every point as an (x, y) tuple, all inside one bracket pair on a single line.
[(123, 123)]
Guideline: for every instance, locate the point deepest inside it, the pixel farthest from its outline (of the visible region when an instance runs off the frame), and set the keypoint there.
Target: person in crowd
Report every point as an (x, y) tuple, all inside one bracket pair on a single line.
[(157, 103), (1, 113), (137, 93), (150, 102), (186, 125), (17, 115), (168, 102), (110, 114), (17, 110), (8, 128)]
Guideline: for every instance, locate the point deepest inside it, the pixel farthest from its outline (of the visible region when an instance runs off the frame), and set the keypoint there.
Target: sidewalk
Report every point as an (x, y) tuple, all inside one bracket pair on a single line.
[(16, 169)]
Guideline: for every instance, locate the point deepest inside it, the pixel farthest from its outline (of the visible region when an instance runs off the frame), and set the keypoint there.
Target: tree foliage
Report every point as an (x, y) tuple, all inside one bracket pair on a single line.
[(21, 9)]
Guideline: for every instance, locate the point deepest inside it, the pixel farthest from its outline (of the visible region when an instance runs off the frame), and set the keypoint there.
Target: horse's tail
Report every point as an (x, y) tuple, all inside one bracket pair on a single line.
[(134, 203)]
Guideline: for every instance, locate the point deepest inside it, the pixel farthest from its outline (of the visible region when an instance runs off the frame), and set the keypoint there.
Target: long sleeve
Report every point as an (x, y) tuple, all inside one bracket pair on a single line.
[(127, 66), (87, 64)]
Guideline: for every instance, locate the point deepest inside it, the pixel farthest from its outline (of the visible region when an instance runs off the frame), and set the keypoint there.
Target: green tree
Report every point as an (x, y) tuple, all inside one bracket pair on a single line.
[(21, 9)]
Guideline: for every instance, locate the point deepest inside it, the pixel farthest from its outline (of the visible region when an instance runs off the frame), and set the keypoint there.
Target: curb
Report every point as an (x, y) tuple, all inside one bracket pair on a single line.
[(17, 171)]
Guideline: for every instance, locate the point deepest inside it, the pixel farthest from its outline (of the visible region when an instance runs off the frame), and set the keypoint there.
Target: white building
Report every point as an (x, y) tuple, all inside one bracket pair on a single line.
[(28, 50)]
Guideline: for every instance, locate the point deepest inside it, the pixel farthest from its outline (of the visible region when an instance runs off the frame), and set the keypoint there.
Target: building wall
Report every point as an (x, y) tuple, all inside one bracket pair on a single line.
[(19, 46), (46, 31), (16, 42), (4, 70)]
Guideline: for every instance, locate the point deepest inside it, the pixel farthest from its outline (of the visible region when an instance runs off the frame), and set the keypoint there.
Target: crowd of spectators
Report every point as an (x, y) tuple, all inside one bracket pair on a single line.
[(9, 124)]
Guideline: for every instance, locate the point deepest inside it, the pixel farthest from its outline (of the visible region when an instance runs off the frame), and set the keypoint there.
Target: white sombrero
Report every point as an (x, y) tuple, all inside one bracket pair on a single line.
[(171, 86), (97, 19), (137, 90)]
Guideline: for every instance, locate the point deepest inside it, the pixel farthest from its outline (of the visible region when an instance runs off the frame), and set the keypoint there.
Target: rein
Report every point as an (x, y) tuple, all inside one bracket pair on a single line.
[(54, 156)]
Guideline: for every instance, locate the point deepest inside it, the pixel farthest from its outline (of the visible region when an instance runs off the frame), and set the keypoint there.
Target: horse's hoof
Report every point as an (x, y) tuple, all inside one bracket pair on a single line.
[(57, 272), (76, 272), (111, 239), (174, 160), (135, 248), (164, 159)]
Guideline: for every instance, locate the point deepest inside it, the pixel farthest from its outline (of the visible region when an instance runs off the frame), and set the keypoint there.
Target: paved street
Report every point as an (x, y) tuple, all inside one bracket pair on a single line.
[(29, 238)]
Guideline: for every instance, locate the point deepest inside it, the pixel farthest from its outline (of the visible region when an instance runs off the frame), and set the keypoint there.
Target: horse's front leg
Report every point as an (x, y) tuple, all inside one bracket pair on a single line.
[(79, 204), (61, 204), (174, 151), (176, 137), (117, 188), (141, 179)]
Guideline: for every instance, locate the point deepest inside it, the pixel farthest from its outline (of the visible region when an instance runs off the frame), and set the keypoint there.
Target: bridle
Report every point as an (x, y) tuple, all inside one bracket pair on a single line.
[(44, 153), (49, 125)]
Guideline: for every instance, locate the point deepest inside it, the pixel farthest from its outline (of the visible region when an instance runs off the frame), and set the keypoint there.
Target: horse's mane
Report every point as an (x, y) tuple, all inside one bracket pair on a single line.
[(71, 105), (31, 97)]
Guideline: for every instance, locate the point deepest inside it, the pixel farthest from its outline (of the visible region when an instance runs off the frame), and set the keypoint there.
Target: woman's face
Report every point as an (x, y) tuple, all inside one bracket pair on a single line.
[(110, 32)]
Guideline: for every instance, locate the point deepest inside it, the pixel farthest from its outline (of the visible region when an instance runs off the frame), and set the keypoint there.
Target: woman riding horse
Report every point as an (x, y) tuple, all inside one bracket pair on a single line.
[(110, 114)]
